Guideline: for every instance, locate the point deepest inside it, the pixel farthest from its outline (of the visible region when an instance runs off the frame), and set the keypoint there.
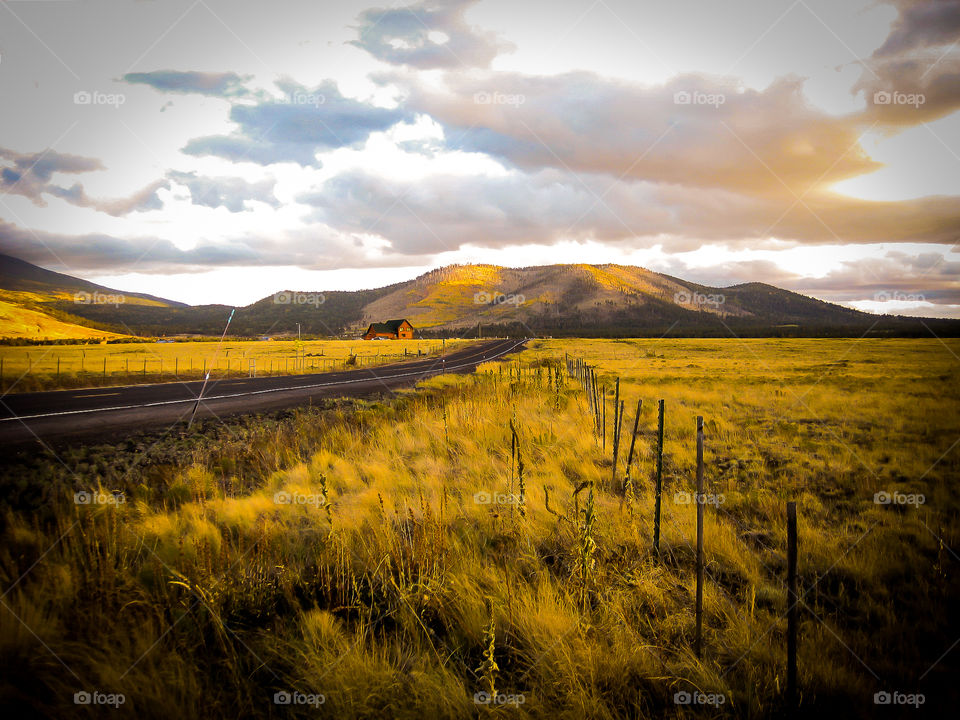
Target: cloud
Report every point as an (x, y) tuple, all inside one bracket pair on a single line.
[(922, 23), (444, 212), (439, 213), (225, 84), (228, 192), (141, 201), (31, 176), (914, 77), (720, 162), (693, 130), (317, 247), (895, 275), (296, 127), (428, 35), (101, 252), (905, 91)]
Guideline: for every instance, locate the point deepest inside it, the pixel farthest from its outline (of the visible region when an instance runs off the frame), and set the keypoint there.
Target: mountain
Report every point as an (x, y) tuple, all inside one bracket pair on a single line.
[(19, 275), (560, 300), (39, 304), (590, 297)]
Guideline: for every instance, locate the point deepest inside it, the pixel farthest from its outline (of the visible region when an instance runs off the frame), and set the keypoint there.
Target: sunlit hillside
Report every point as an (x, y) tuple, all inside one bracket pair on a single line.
[(19, 320)]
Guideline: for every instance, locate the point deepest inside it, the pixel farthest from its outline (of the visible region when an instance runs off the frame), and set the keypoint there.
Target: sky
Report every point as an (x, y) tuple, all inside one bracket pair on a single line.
[(221, 151)]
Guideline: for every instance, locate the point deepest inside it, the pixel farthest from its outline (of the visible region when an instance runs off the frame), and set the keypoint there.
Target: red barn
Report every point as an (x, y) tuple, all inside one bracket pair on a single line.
[(390, 330)]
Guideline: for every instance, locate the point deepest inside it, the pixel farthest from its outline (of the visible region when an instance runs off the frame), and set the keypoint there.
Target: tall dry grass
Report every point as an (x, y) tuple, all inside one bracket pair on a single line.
[(376, 554)]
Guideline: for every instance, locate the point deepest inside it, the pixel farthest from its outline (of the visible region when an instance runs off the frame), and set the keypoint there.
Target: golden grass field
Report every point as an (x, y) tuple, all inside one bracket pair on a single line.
[(24, 315), (396, 558), (50, 367), (23, 322)]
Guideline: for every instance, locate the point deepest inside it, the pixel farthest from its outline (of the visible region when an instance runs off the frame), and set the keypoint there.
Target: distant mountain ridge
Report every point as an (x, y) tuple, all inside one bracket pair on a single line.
[(22, 276), (561, 300)]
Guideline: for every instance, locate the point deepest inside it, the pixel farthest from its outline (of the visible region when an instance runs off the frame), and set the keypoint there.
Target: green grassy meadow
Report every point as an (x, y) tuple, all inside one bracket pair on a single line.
[(468, 549)]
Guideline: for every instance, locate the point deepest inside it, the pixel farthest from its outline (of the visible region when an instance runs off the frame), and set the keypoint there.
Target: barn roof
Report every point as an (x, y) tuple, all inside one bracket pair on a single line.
[(390, 326)]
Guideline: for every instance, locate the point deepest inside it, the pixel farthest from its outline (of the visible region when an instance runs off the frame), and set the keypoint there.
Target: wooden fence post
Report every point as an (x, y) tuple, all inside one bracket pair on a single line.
[(792, 607), (659, 488), (633, 438), (603, 404), (596, 385), (617, 424), (700, 502)]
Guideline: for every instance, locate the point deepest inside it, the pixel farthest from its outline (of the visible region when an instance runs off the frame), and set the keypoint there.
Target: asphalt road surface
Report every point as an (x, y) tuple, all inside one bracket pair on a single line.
[(114, 411)]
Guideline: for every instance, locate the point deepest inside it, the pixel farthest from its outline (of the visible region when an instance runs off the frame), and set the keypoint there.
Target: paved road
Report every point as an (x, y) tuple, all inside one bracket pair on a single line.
[(113, 411)]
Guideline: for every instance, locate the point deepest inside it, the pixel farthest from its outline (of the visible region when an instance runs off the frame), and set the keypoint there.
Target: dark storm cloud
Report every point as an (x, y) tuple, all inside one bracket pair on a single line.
[(228, 192), (225, 84), (293, 129), (401, 36)]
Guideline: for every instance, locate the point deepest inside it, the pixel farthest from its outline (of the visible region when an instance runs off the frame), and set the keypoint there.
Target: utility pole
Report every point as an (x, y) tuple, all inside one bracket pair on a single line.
[(300, 353), (206, 376)]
